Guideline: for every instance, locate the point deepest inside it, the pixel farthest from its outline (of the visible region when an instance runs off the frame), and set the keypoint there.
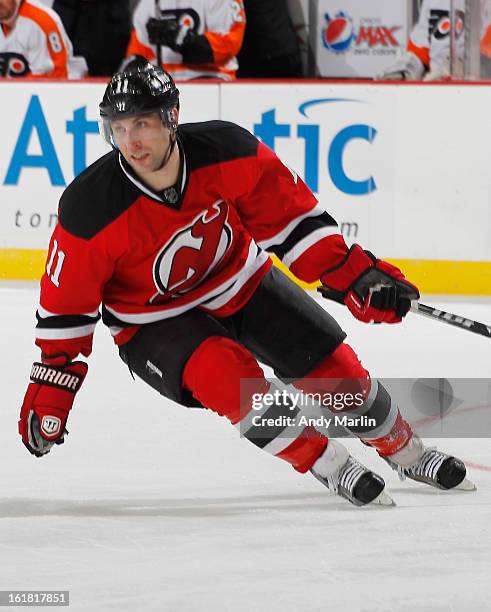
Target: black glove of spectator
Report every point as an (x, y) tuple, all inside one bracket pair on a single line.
[(164, 32), (195, 48)]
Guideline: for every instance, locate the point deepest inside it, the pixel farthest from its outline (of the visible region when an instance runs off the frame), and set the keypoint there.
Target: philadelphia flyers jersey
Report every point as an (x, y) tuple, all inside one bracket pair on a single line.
[(147, 256), (220, 25), (36, 43), (430, 37)]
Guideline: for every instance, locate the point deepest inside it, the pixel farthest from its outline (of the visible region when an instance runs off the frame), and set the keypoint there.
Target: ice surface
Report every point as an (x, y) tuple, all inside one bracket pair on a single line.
[(149, 506)]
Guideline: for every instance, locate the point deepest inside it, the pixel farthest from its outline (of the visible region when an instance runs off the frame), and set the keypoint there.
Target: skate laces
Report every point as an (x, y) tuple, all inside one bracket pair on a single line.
[(427, 467), (348, 475)]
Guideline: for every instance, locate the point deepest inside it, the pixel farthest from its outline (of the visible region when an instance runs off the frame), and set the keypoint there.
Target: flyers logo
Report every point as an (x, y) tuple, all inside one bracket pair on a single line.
[(187, 19), (13, 65), (440, 23), (192, 253)]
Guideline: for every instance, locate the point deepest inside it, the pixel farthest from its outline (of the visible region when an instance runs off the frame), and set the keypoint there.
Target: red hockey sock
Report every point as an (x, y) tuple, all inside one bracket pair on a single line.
[(213, 374), (343, 371), (305, 450), (398, 437)]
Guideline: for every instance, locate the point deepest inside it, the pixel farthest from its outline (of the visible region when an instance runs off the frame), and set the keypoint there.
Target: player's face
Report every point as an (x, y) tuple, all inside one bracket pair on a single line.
[(143, 141), (7, 9)]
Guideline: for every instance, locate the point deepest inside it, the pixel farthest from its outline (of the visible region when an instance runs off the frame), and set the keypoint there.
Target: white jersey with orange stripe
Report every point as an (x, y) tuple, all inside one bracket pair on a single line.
[(36, 44), (219, 23), (430, 37)]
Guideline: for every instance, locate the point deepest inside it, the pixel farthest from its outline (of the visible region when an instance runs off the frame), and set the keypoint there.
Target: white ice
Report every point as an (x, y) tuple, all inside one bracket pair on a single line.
[(149, 506)]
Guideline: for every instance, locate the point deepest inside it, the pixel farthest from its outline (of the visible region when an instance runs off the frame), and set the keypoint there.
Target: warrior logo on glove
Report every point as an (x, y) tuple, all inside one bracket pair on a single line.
[(47, 403), (50, 426)]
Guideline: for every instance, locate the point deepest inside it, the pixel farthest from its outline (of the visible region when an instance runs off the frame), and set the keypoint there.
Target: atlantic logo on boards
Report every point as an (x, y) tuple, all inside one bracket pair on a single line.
[(328, 112), (370, 36), (35, 127)]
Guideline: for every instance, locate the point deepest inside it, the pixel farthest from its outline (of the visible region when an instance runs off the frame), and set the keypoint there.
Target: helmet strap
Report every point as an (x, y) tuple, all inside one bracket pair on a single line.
[(168, 153)]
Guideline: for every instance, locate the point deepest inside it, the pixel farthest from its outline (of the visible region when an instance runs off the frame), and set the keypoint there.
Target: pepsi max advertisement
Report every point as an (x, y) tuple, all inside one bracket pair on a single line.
[(358, 39)]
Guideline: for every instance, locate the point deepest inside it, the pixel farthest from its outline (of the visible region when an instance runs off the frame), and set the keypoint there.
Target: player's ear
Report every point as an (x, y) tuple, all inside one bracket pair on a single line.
[(175, 115)]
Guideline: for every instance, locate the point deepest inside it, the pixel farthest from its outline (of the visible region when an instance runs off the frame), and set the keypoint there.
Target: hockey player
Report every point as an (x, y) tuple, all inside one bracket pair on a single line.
[(427, 54), (192, 39), (33, 42), (169, 232)]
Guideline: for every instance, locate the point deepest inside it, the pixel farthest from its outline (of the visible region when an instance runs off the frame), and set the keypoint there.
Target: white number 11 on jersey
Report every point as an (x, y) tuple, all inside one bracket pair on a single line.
[(55, 277)]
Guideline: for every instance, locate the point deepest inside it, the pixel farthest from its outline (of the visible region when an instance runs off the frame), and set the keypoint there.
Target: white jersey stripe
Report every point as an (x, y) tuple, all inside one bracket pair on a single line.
[(151, 317), (304, 244), (281, 236), (66, 333), (287, 437), (44, 314), (244, 276)]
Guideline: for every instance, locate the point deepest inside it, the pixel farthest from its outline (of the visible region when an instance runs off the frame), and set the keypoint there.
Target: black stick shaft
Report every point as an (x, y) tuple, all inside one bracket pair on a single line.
[(159, 46), (430, 312), (451, 319)]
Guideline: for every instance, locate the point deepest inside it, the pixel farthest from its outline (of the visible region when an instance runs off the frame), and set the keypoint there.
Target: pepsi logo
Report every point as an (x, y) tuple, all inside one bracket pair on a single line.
[(339, 32)]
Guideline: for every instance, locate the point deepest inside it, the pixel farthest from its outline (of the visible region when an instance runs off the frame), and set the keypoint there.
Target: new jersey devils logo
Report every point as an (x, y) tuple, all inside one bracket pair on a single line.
[(192, 253)]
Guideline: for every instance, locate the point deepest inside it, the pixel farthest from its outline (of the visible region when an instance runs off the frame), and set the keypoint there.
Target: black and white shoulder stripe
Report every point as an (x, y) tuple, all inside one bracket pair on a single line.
[(51, 326), (301, 234)]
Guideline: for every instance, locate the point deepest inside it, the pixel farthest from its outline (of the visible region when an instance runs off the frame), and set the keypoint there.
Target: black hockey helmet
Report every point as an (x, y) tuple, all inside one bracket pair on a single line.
[(139, 88)]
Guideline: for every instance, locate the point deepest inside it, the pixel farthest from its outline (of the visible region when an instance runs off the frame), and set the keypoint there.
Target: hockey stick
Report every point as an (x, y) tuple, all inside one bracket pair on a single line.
[(159, 46), (430, 312), (451, 319)]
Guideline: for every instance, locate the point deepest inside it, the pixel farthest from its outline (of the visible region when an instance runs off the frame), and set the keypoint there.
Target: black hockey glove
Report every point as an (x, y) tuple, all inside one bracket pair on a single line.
[(194, 48), (164, 32)]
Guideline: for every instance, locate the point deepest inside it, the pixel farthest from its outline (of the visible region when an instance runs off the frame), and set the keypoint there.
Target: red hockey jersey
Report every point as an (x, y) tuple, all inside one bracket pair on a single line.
[(146, 256)]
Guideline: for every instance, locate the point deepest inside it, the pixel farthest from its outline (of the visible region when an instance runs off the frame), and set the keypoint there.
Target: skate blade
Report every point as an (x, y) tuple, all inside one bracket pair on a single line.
[(465, 485), (384, 499)]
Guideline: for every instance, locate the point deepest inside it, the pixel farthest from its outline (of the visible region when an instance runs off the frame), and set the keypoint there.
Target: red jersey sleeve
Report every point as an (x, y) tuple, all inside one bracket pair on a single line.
[(71, 293), (285, 218)]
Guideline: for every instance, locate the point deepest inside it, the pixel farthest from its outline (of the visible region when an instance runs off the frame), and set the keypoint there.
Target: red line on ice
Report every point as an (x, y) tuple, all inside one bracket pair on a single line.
[(478, 466)]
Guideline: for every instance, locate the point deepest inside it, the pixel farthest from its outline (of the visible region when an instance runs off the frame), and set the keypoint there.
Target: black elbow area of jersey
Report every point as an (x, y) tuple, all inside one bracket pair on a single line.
[(196, 49), (303, 229)]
